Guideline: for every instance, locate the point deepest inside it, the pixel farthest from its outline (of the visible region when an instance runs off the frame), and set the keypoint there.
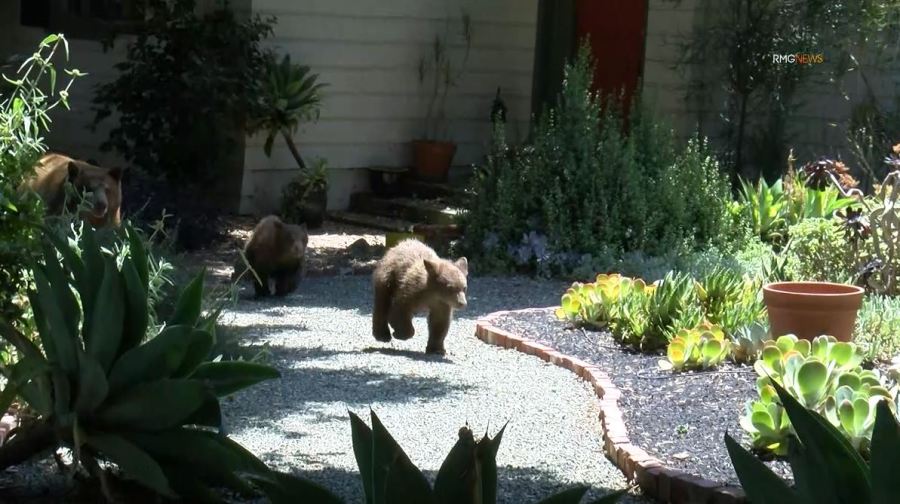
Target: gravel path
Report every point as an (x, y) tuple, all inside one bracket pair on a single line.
[(320, 338)]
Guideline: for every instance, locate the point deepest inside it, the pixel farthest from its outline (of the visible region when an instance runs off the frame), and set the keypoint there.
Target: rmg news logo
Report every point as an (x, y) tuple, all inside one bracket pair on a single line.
[(799, 58)]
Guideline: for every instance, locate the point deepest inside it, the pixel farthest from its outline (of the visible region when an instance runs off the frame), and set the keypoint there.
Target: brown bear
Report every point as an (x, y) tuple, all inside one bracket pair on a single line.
[(275, 250), (411, 278), (102, 186)]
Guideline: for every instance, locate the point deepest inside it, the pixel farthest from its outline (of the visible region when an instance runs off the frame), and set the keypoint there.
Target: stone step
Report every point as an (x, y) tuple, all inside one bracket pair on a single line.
[(435, 211), (431, 190)]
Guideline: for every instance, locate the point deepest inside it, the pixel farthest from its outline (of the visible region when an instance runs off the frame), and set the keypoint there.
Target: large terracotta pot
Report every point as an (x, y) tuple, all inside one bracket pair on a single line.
[(432, 159), (810, 309)]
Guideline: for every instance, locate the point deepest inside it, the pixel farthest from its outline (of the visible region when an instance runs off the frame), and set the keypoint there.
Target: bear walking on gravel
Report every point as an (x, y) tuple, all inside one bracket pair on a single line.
[(104, 187), (278, 251), (411, 278)]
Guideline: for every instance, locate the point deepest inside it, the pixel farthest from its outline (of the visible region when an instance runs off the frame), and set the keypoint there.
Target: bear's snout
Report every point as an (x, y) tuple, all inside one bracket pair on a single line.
[(461, 300)]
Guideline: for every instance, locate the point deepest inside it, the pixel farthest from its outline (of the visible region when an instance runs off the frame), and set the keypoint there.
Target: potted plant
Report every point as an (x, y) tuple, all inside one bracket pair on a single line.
[(433, 153), (305, 199)]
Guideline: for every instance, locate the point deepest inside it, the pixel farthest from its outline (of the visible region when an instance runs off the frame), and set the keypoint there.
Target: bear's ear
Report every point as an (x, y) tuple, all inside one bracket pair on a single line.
[(73, 171), (116, 173), (432, 267), (463, 264)]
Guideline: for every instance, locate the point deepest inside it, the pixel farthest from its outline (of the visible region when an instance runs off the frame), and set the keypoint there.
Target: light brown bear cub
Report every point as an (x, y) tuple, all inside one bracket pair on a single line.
[(105, 186), (278, 251), (411, 278)]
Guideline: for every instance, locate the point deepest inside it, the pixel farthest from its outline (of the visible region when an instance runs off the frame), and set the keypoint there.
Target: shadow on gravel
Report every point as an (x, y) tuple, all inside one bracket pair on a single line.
[(416, 355), (515, 485)]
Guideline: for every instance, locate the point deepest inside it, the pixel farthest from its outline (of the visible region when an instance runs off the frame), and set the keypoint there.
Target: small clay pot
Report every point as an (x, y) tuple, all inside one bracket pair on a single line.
[(810, 309), (432, 159)]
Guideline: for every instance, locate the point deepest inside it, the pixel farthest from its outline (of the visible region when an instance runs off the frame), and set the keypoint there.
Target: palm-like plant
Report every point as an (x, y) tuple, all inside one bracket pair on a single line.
[(291, 95)]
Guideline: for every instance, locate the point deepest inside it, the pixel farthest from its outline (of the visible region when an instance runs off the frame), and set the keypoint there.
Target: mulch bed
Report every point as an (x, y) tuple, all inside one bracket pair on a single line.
[(680, 418)]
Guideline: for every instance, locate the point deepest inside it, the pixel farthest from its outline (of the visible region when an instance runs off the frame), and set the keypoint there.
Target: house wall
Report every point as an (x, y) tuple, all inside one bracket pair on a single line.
[(367, 53), (817, 128), (70, 131)]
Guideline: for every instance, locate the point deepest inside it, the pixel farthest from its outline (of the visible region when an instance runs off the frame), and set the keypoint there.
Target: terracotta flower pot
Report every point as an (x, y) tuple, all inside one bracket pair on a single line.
[(432, 159), (810, 309)]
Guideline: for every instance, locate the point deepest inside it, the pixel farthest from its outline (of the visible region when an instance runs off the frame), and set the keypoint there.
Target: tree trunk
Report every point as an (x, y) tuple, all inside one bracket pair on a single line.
[(26, 444), (293, 148)]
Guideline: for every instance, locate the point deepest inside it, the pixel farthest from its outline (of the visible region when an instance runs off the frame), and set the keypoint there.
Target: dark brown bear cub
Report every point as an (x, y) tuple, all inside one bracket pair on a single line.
[(275, 251), (411, 278)]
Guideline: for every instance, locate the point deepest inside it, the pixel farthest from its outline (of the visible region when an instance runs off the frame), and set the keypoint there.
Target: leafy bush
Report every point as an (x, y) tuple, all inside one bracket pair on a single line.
[(826, 467), (186, 82), (33, 90), (819, 251), (584, 188), (823, 375)]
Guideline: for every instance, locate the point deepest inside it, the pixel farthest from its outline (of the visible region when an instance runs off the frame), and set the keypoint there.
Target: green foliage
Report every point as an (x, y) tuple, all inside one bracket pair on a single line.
[(438, 72), (584, 188), (819, 252), (598, 303), (826, 467), (878, 327), (702, 347), (33, 89), (468, 474), (749, 341), (290, 96), (763, 205), (100, 387), (823, 375), (186, 86), (310, 182)]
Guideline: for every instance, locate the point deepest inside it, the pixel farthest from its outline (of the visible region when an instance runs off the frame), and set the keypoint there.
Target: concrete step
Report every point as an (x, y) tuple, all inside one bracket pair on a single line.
[(432, 190), (434, 211), (371, 221)]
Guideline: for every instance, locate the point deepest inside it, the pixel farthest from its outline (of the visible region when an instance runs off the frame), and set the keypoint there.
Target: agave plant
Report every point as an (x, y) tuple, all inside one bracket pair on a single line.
[(468, 474), (826, 466), (291, 95), (702, 347), (99, 388), (764, 202)]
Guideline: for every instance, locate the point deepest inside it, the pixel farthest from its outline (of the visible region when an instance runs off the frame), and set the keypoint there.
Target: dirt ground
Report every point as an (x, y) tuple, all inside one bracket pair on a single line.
[(333, 249)]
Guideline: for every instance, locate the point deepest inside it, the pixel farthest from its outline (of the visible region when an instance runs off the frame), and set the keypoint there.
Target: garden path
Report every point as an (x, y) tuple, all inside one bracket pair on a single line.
[(320, 339)]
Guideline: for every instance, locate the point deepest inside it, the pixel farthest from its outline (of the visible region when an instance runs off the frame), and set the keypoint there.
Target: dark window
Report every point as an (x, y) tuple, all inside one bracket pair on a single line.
[(79, 18)]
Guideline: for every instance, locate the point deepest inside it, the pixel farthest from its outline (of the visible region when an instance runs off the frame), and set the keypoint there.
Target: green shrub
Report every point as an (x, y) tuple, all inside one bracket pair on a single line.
[(32, 92), (584, 189), (819, 251), (185, 88)]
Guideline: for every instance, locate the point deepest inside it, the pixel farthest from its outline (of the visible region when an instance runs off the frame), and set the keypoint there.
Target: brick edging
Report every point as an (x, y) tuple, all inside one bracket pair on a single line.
[(655, 479)]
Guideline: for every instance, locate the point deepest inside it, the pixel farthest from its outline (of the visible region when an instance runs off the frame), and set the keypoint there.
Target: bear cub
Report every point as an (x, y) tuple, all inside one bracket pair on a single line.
[(53, 171), (411, 278), (275, 251)]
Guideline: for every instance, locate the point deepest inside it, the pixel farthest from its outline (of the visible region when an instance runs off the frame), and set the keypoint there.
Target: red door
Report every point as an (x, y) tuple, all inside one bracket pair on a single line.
[(617, 29)]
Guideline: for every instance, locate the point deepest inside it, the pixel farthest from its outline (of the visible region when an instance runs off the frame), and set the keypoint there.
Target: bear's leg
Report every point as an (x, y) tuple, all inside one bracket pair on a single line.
[(285, 282), (261, 286), (400, 318), (380, 310), (439, 316)]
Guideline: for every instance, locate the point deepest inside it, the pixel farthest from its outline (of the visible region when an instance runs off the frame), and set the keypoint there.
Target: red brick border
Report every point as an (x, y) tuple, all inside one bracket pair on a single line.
[(655, 479)]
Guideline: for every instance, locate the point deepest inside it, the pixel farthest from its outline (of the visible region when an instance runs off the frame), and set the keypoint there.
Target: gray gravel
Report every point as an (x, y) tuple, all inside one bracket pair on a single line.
[(320, 338)]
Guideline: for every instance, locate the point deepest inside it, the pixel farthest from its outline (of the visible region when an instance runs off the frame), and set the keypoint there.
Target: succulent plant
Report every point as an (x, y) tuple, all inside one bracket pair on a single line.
[(749, 341), (819, 174), (823, 375), (598, 303), (826, 467), (99, 387), (467, 476), (702, 347), (855, 224)]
